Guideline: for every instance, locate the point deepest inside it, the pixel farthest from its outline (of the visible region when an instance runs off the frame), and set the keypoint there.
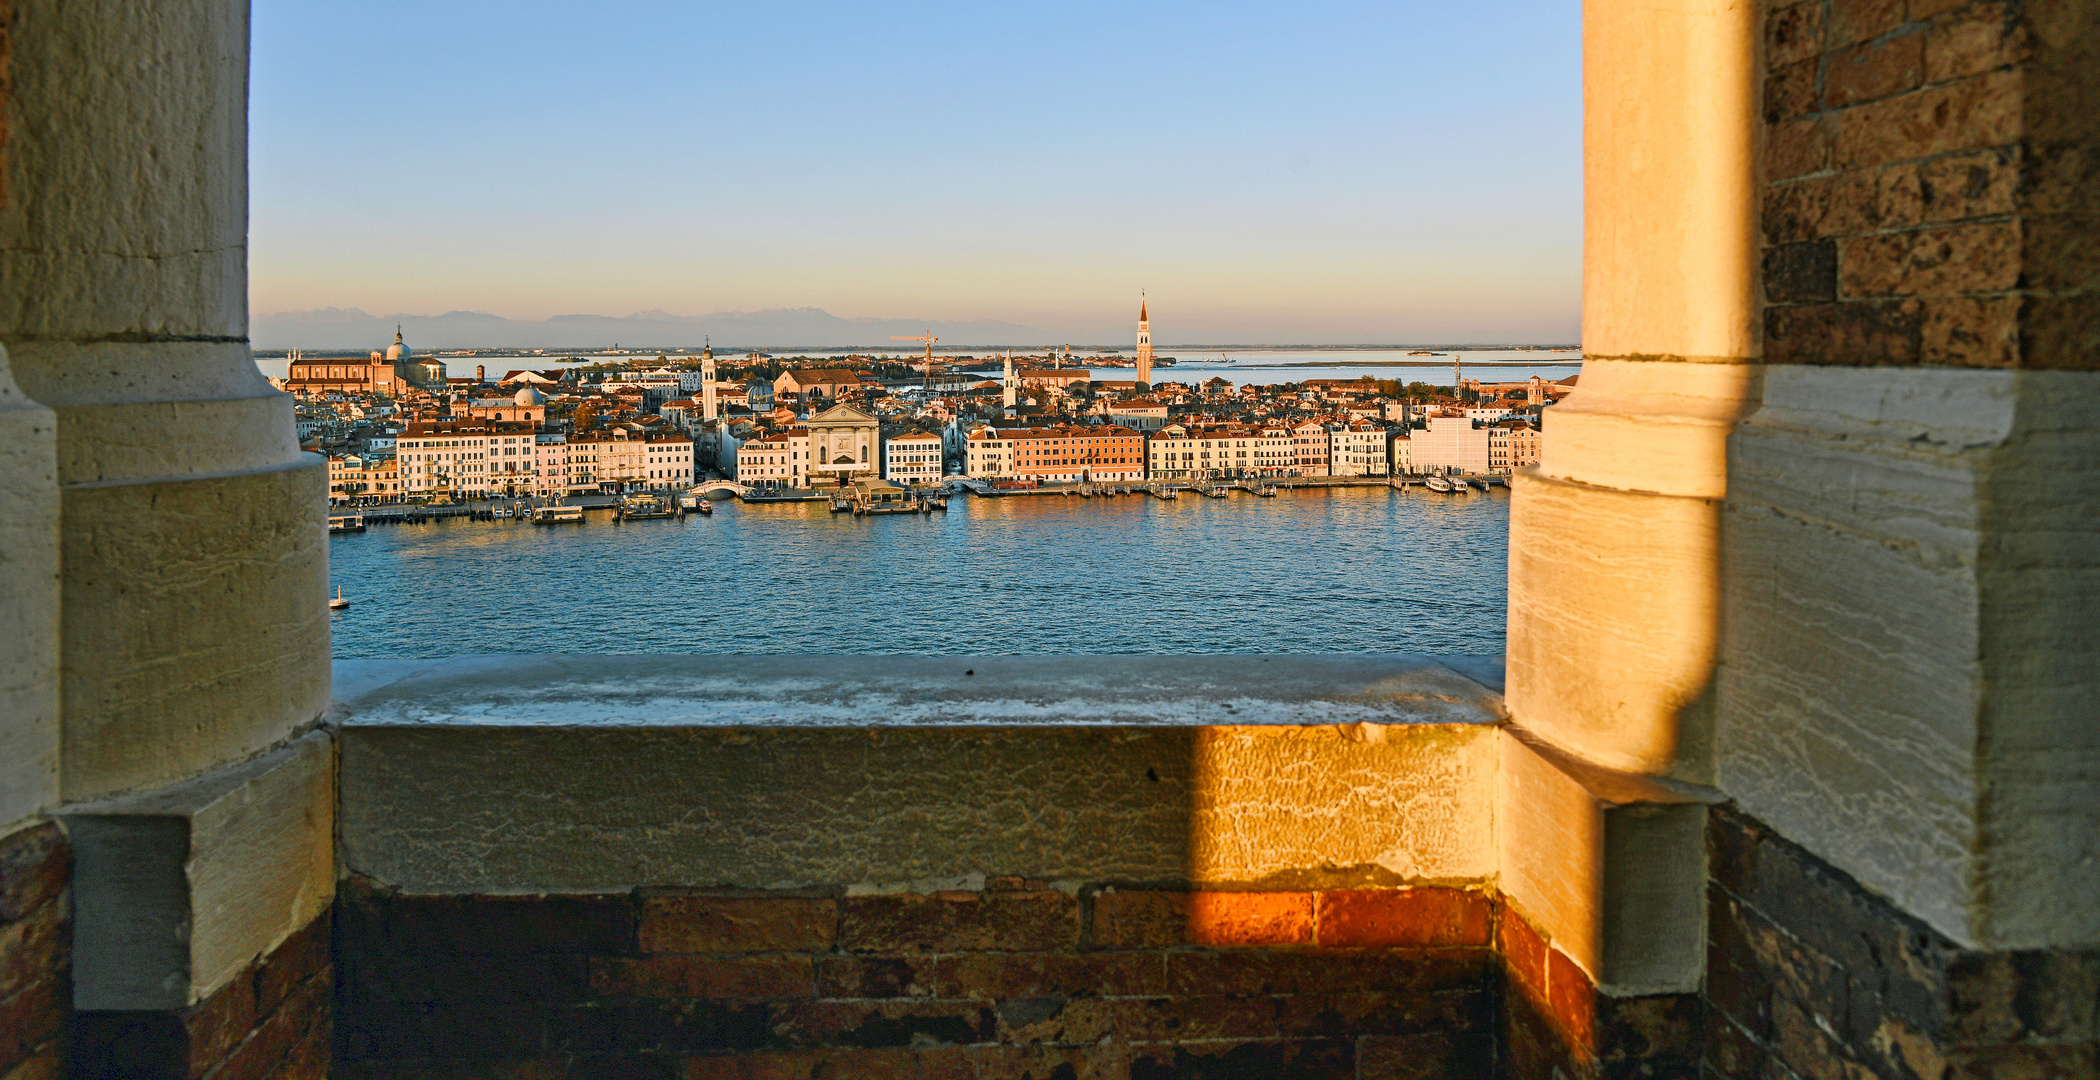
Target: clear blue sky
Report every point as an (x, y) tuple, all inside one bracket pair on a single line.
[(1309, 172)]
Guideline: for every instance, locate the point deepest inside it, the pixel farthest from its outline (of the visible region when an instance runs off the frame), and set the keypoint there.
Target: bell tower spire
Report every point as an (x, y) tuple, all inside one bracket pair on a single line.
[(1144, 342)]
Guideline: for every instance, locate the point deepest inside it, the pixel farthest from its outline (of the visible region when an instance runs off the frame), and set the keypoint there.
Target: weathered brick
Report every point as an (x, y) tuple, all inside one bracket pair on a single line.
[(302, 956), (1972, 114), (960, 922), (1973, 39), (1650, 1027), (48, 1063), (1805, 1046), (697, 923), (1874, 70), (1799, 147), (1523, 953), (34, 866), (267, 1048), (936, 1063), (34, 1016), (1730, 1051), (667, 1026), (883, 1023), (879, 977), (217, 1024), (1962, 331), (1793, 33), (679, 976), (1884, 332), (1961, 186), (1136, 919), (1038, 975), (2025, 1062), (2060, 332), (513, 925), (1735, 984), (1998, 997), (1801, 273), (1573, 1002), (1531, 1049), (1426, 1056), (36, 947), (1345, 1016), (1101, 1061), (380, 1033), (394, 978), (1299, 1059), (1386, 918), (1795, 211), (1978, 257), (1086, 1021), (1251, 972), (1853, 21), (1792, 91)]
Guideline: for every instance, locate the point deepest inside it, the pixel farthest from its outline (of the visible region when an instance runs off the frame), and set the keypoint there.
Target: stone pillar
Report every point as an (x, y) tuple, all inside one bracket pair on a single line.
[(1614, 581), (190, 632), (194, 626), (1911, 667)]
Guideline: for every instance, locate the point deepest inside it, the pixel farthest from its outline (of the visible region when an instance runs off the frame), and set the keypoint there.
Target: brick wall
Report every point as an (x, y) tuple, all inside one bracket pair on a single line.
[(1932, 186), (1809, 975), (270, 1022), (1014, 980), (36, 984)]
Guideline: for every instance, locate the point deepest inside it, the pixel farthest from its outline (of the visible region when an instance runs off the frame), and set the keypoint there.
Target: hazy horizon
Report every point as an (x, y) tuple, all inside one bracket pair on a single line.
[(1328, 173)]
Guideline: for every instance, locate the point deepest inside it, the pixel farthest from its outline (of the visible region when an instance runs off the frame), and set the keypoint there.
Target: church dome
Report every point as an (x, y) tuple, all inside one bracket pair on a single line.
[(398, 351), (528, 397)]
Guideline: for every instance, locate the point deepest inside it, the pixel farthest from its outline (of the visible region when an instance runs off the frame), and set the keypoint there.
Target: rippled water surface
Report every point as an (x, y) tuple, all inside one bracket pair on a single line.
[(1333, 570)]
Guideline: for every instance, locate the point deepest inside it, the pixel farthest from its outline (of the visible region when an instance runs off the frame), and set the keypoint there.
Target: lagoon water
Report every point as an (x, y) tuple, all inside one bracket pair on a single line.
[(1317, 570)]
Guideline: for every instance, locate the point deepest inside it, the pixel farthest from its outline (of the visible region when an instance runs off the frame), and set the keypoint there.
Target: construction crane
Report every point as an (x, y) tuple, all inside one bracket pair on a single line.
[(929, 339)]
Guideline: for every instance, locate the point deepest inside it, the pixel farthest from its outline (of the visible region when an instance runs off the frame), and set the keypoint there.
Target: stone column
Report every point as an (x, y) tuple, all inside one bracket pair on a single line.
[(1911, 667), (191, 639), (1614, 580)]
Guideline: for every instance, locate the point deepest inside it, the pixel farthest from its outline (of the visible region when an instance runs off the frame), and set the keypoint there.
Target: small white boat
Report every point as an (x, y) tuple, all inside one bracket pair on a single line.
[(1437, 484), (556, 515), (338, 603)]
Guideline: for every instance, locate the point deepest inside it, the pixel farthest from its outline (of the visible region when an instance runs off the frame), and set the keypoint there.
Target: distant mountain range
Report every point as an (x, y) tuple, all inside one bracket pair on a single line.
[(778, 328)]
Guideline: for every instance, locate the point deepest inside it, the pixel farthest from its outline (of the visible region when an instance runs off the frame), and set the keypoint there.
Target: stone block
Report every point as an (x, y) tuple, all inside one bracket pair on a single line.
[(739, 978), (1852, 21), (1791, 91), (702, 923), (416, 977), (1982, 257), (1613, 620), (1400, 918), (1859, 334), (1873, 70), (1045, 921), (1797, 148), (1971, 114), (195, 617), (1802, 273), (1962, 331), (1973, 39), (1425, 1056), (1105, 1061), (1793, 33), (29, 608), (180, 888)]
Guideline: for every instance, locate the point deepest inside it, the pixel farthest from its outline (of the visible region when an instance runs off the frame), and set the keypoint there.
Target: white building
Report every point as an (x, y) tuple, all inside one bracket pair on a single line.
[(776, 460), (1357, 449), (471, 459), (1450, 444), (912, 458), (653, 461)]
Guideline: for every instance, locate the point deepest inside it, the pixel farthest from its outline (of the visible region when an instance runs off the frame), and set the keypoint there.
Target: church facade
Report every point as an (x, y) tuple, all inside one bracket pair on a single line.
[(843, 445)]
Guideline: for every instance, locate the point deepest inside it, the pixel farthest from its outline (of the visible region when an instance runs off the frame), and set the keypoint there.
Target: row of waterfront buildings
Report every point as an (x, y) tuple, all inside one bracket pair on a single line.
[(632, 426)]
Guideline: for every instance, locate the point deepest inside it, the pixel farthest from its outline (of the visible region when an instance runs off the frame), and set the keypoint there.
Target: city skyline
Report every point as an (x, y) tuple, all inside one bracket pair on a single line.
[(1337, 174)]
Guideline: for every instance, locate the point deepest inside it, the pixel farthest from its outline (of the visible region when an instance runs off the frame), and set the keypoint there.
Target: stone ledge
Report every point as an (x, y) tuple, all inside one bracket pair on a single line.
[(918, 691)]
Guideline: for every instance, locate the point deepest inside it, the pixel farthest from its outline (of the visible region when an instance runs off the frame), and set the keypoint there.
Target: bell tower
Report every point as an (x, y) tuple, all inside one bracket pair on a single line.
[(707, 381), (1144, 342)]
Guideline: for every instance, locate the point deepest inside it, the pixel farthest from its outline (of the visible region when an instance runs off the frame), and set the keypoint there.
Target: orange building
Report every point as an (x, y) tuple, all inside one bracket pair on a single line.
[(1069, 454)]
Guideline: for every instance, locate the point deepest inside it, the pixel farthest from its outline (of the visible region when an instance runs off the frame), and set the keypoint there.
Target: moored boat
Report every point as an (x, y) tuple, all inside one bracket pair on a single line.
[(346, 523), (1437, 484), (557, 515)]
